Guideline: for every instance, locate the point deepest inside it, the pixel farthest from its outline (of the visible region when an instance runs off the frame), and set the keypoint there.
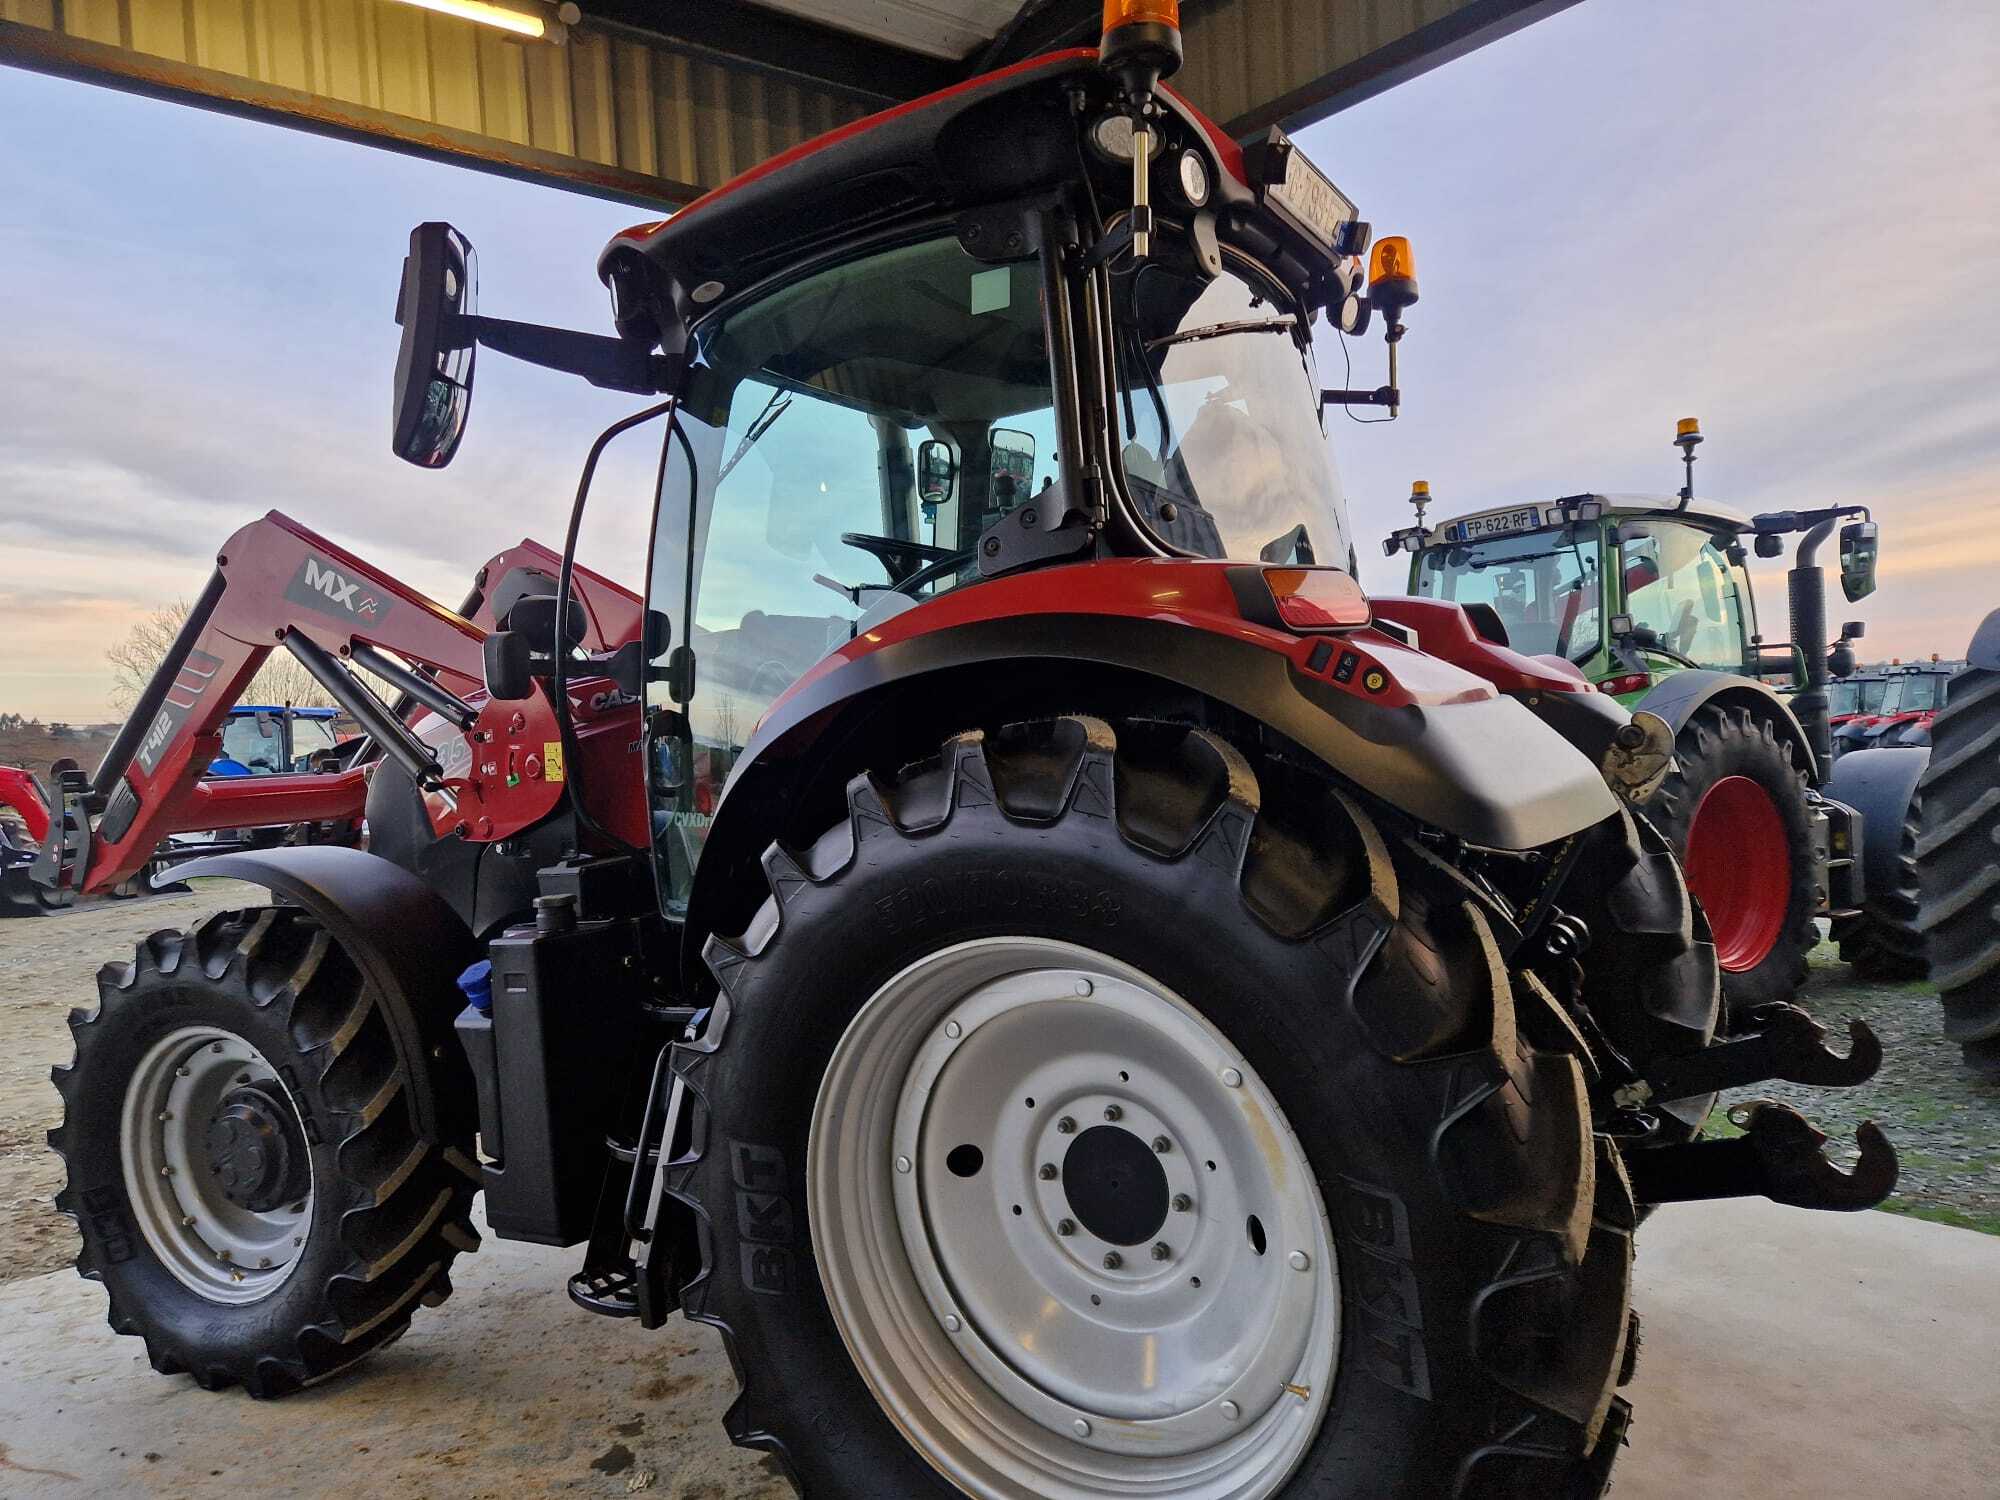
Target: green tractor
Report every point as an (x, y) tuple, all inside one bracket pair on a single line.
[(1649, 598)]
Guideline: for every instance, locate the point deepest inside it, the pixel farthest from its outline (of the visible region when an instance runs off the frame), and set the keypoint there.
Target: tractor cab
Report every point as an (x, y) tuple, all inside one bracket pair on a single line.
[(1627, 588), (1909, 699), (270, 740)]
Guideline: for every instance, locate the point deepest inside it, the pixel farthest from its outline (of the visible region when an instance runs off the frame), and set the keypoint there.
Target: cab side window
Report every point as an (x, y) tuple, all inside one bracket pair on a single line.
[(1681, 587)]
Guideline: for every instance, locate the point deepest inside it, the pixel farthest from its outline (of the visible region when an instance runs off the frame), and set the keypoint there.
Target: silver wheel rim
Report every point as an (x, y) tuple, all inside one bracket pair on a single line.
[(1007, 1327), (222, 1251)]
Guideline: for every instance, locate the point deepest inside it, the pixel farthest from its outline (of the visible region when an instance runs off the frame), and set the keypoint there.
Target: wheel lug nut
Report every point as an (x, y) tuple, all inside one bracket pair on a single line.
[(1113, 1260), (165, 1115), (1080, 1427), (215, 1047), (953, 1030), (1231, 1411), (951, 1323), (902, 1164), (1047, 1171), (1163, 1251), (1113, 1112), (1231, 1078), (1066, 1126), (1299, 1260), (1084, 988), (187, 1221), (166, 1171), (180, 1072), (1065, 1227), (264, 1263), (1182, 1203), (1162, 1145)]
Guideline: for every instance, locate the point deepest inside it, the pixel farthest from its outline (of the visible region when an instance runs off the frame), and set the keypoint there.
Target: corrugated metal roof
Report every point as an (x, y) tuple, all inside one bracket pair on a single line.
[(655, 103)]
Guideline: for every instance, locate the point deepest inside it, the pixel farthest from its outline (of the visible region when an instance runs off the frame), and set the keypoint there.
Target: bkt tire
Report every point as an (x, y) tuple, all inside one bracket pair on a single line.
[(1958, 864), (1087, 1116), (1734, 810), (243, 1165)]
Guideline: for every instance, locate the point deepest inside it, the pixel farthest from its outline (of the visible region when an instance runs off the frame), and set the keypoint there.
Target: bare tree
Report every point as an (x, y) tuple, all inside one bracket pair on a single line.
[(134, 660)]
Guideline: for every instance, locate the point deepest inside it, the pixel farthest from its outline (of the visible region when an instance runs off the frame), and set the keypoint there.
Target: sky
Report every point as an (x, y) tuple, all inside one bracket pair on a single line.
[(1783, 218)]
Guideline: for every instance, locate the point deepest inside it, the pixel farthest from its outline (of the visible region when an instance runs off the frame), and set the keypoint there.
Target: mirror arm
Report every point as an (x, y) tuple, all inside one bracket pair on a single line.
[(1382, 395), (615, 364)]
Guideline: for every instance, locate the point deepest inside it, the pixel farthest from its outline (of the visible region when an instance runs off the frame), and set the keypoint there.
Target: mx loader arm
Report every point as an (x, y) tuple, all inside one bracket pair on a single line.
[(278, 586)]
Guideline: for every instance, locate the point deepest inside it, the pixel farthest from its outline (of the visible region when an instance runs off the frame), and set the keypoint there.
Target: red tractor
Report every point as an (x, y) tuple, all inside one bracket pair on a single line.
[(1085, 1001), (24, 823)]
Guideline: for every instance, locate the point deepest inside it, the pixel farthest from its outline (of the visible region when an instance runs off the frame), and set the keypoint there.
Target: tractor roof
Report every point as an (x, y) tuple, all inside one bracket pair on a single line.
[(1002, 135)]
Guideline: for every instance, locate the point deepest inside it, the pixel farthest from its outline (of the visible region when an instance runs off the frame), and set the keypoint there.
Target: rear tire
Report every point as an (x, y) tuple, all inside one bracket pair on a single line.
[(337, 1218), (1884, 942), (1482, 1234), (1734, 810), (1958, 864)]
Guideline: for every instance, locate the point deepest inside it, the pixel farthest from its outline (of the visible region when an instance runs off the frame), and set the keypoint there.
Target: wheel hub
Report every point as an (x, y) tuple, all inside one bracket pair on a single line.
[(216, 1164), (256, 1152), (1069, 1237), (1115, 1185)]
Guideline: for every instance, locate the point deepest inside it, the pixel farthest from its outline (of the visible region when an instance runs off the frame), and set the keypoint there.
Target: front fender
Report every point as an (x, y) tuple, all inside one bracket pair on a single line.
[(1677, 698), (1878, 785), (406, 940)]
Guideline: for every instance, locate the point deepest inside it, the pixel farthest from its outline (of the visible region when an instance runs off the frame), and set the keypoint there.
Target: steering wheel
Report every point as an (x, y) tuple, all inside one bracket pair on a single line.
[(899, 558), (930, 572)]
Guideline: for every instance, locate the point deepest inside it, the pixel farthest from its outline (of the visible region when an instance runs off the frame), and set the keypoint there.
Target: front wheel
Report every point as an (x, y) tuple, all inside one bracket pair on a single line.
[(1734, 809), (244, 1164), (1084, 1117)]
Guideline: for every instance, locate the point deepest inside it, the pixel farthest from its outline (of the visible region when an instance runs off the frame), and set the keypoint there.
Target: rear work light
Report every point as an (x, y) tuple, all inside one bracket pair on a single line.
[(1317, 598)]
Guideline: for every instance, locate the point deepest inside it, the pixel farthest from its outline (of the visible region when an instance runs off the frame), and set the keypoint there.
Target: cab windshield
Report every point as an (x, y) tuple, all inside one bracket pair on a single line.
[(1856, 695), (1219, 418), (1544, 585), (1914, 693)]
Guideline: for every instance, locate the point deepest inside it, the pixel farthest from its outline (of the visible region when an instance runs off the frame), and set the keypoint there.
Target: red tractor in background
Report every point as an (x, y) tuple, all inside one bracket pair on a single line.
[(24, 823), (1086, 1001)]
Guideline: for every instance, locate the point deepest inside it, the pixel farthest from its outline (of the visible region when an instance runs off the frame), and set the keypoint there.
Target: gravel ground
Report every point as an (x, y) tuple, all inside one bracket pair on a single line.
[(1944, 1122)]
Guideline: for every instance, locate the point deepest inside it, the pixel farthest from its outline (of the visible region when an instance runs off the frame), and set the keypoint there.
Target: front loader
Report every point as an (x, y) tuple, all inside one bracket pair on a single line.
[(1086, 1003)]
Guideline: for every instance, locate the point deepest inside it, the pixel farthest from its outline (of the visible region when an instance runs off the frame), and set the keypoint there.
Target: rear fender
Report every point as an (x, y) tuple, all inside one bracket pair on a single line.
[(408, 942), (1878, 784), (1480, 765), (1985, 648), (1678, 697)]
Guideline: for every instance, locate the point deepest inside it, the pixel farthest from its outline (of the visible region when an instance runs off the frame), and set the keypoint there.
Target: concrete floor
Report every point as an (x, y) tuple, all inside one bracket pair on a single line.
[(1816, 1356)]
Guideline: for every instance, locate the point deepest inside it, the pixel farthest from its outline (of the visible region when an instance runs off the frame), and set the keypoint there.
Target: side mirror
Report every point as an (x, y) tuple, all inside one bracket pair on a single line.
[(509, 666), (533, 618), (936, 471), (1859, 542), (433, 392)]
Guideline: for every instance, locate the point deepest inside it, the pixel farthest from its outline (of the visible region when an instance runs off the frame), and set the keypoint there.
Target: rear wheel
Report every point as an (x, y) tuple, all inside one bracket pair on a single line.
[(1958, 864), (1734, 810), (243, 1164), (1086, 1118)]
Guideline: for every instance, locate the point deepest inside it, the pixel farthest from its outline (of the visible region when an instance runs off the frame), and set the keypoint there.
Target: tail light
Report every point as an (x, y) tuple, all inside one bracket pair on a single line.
[(1317, 598), (1626, 682)]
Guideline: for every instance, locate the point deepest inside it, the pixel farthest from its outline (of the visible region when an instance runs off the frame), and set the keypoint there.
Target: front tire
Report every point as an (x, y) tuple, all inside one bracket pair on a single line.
[(1734, 810), (1280, 985), (1884, 943), (244, 1168)]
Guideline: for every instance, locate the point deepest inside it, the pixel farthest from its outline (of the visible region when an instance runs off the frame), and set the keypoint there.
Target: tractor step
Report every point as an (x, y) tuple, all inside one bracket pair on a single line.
[(612, 1293)]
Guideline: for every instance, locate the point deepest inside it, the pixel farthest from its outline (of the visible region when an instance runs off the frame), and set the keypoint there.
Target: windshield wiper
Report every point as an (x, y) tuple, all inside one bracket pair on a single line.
[(1282, 323), (766, 420)]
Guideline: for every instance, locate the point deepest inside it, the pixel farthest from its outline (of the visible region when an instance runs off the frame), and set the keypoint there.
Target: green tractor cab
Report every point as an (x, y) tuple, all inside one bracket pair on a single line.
[(1650, 598)]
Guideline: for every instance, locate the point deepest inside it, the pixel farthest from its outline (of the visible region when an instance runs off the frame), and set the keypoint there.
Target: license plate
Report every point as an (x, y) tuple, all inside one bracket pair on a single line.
[(1309, 196), (1500, 523)]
